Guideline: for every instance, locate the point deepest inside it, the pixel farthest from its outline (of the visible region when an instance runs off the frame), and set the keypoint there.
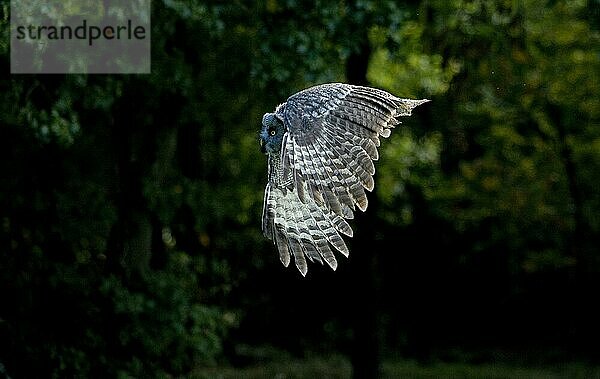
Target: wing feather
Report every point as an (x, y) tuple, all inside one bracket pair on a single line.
[(328, 153), (332, 177), (293, 237), (317, 178), (336, 144), (303, 230)]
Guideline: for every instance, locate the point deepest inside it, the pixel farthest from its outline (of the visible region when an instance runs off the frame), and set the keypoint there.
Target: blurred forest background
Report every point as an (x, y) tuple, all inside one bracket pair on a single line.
[(130, 241)]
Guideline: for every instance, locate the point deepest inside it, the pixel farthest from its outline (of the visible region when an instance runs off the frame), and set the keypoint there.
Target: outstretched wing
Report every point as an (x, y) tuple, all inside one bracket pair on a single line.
[(332, 140), (302, 229), (326, 159)]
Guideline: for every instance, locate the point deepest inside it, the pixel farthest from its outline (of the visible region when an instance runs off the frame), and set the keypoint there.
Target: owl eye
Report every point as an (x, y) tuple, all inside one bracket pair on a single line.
[(272, 132)]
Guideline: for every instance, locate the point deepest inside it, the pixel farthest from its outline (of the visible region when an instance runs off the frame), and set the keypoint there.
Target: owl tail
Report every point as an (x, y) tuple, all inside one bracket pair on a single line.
[(302, 229)]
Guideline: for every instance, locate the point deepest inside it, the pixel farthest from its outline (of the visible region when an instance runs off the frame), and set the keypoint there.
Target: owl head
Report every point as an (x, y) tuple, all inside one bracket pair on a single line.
[(271, 134)]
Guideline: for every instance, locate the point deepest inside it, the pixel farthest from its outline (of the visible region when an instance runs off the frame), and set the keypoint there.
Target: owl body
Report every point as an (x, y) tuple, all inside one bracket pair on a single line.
[(321, 144)]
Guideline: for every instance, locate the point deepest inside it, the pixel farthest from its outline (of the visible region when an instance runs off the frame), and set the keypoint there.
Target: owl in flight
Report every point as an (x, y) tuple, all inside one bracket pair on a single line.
[(321, 144)]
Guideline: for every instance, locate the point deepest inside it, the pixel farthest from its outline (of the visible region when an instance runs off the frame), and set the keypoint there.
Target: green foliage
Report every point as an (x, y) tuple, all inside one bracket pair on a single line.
[(337, 367), (158, 327), (407, 70), (163, 324), (130, 241), (407, 161), (308, 42), (513, 69)]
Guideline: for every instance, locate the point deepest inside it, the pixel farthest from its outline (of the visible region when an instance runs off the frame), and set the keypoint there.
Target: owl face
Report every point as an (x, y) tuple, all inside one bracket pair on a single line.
[(271, 134)]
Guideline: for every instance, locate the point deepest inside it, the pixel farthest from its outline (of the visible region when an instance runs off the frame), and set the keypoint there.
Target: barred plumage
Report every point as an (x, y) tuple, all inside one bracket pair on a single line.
[(321, 144)]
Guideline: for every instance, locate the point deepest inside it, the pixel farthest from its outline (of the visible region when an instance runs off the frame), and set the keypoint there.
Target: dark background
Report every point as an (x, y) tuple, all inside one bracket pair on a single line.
[(130, 241)]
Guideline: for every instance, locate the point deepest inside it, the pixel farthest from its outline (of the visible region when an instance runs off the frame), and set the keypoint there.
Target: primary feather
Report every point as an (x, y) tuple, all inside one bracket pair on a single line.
[(321, 144)]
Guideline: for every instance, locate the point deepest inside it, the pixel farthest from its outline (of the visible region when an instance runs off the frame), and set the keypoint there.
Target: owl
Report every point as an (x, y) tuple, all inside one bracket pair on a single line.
[(320, 146)]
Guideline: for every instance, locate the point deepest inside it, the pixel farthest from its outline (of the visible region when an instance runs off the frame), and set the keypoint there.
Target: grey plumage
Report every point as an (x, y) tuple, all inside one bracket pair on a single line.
[(321, 144)]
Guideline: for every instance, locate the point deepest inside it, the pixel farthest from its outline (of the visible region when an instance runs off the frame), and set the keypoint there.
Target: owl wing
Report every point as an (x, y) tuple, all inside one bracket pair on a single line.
[(328, 151)]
